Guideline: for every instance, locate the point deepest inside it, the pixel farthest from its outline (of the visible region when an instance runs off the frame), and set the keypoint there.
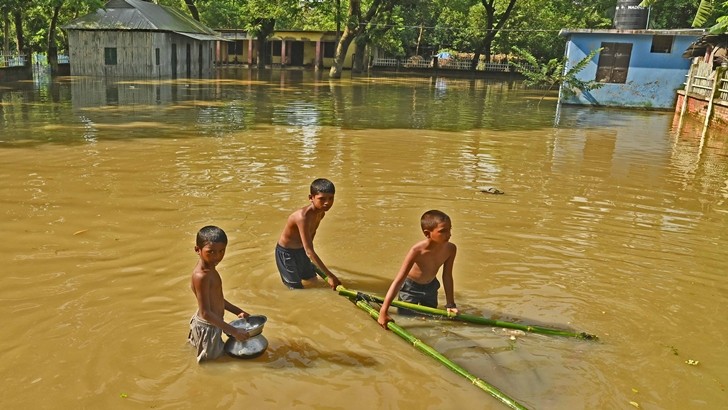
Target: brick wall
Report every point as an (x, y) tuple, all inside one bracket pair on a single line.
[(697, 108)]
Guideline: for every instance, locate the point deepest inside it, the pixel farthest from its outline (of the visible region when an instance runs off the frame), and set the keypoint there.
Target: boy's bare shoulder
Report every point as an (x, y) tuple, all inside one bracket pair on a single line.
[(419, 247), (200, 273), (297, 215)]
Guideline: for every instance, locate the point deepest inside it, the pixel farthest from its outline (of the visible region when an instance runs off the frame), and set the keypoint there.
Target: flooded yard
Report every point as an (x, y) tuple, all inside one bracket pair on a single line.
[(612, 222)]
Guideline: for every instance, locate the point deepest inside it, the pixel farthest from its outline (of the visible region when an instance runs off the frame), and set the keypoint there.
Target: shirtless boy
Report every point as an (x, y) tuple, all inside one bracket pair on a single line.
[(416, 280), (207, 324), (294, 251)]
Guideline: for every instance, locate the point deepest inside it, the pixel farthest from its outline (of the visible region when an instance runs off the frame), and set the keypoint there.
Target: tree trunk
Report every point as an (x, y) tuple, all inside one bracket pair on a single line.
[(266, 29), (358, 65), (261, 58), (492, 28), (19, 37), (192, 7), (6, 33), (350, 31), (419, 39), (338, 65), (52, 46)]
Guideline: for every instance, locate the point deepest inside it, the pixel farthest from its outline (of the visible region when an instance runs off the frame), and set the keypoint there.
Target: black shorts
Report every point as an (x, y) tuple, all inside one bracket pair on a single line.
[(413, 292), (294, 265)]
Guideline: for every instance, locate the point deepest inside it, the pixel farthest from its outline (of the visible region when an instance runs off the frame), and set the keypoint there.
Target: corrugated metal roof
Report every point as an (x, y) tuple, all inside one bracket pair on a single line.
[(139, 15)]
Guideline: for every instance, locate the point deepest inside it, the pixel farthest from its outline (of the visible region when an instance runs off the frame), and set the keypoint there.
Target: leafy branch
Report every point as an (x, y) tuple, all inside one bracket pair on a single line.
[(553, 73)]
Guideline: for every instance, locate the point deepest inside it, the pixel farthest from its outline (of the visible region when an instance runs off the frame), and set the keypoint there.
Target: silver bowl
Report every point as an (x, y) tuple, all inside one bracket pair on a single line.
[(252, 324), (246, 349), (252, 347)]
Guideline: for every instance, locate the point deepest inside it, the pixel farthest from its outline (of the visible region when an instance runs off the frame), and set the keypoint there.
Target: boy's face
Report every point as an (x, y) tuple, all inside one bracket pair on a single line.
[(441, 233), (322, 201), (212, 253)]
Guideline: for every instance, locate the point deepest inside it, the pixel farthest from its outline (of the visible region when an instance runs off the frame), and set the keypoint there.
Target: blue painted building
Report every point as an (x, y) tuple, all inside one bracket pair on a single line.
[(639, 68)]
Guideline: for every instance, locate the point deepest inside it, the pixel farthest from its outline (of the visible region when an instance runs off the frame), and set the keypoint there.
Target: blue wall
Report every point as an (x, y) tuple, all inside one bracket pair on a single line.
[(652, 79)]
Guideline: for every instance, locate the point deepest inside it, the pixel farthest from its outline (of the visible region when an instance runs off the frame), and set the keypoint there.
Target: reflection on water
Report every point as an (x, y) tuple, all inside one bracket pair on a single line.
[(612, 222)]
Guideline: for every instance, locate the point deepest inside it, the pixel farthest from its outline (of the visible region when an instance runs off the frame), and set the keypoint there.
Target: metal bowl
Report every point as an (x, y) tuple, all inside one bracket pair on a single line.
[(252, 324), (246, 349)]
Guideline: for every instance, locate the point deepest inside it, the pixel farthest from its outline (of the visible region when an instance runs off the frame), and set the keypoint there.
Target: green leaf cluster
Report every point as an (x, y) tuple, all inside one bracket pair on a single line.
[(555, 72)]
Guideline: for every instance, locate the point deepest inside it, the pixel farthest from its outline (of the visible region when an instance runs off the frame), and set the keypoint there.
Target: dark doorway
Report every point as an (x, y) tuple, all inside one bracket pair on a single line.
[(199, 60), (297, 53), (174, 60), (189, 61)]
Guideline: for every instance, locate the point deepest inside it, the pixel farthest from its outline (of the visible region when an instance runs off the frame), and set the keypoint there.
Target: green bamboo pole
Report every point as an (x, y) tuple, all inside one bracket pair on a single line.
[(464, 317), (429, 351)]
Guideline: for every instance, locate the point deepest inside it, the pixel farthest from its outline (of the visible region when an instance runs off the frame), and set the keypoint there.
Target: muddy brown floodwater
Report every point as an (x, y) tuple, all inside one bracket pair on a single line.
[(613, 222)]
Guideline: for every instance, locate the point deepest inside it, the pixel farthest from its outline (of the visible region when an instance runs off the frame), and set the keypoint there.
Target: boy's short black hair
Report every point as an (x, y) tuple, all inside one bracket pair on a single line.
[(211, 234), (431, 218), (322, 186)]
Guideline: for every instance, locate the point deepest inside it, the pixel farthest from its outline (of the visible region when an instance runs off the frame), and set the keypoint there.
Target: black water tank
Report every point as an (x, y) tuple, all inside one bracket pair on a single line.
[(630, 16)]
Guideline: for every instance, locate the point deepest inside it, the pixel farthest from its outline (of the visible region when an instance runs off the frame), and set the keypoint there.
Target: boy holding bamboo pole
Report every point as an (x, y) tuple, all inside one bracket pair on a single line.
[(295, 255), (416, 282)]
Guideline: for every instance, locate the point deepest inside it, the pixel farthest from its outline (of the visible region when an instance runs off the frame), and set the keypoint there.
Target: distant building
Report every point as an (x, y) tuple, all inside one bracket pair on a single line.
[(134, 38), (285, 48), (639, 68)]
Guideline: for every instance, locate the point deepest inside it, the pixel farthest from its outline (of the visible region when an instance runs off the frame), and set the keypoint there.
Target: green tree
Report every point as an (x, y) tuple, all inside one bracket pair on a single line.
[(356, 24), (709, 13)]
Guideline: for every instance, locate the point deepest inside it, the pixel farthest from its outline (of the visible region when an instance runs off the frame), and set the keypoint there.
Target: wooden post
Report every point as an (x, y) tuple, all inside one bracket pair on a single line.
[(250, 51), (688, 85), (318, 60), (717, 75)]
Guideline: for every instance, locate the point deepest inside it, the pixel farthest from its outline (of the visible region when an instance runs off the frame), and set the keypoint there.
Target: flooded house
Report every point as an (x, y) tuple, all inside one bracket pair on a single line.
[(284, 48), (638, 68), (135, 38)]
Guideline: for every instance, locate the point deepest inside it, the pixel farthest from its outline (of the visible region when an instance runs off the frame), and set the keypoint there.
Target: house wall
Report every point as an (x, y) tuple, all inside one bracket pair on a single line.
[(136, 54), (652, 78)]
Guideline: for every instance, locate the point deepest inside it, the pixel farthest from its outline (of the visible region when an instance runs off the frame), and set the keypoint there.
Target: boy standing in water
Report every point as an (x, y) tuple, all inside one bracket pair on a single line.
[(207, 324), (416, 280), (294, 251)]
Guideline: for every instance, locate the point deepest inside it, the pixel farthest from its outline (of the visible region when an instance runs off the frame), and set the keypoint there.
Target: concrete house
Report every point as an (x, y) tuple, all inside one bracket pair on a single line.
[(639, 68), (286, 48), (134, 38)]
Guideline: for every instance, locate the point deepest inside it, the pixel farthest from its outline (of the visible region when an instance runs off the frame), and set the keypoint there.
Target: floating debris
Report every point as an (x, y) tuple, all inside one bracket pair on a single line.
[(492, 190)]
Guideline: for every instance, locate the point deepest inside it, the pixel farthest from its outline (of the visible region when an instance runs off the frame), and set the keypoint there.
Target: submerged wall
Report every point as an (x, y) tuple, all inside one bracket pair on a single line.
[(10, 74)]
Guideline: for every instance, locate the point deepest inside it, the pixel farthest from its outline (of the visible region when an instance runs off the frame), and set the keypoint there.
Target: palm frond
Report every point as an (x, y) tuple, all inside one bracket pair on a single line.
[(704, 13)]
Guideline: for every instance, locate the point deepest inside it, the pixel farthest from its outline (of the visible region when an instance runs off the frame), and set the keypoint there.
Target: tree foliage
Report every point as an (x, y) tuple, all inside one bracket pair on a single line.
[(708, 13)]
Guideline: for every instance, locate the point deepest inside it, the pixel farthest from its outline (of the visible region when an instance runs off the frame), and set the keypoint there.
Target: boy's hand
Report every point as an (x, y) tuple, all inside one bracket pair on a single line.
[(241, 334), (333, 281), (384, 319), (244, 315)]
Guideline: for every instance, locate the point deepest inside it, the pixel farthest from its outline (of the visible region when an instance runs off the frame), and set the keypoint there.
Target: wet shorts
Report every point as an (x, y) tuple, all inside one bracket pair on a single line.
[(413, 292), (206, 337), (294, 265)]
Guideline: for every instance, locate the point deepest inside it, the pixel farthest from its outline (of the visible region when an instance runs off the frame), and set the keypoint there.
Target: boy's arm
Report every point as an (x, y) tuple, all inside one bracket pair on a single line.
[(235, 310), (447, 281), (396, 285), (307, 240), (201, 284)]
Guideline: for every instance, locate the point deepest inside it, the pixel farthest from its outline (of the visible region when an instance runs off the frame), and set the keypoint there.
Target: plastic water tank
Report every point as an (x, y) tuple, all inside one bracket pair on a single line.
[(630, 16)]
